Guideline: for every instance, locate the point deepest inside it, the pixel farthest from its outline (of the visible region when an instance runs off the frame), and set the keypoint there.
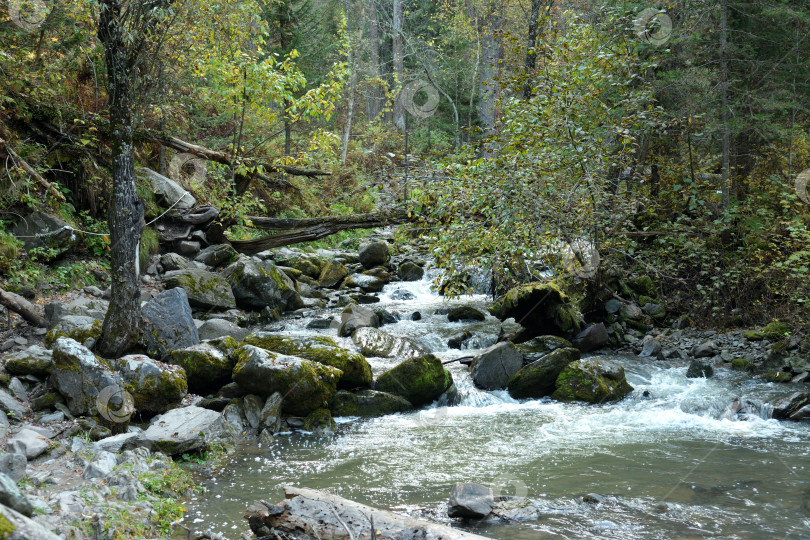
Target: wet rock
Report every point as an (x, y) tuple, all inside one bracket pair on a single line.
[(173, 261), (29, 443), (542, 308), (185, 430), (205, 290), (167, 191), (49, 235), (167, 324), (76, 327), (364, 282), (539, 379), (356, 370), (420, 380), (252, 406), (216, 328), (592, 338), (217, 255), (593, 498), (465, 313), (13, 465), (705, 350), (472, 501), (373, 342), (206, 366), (320, 323), (260, 284), (409, 271), (457, 340), (699, 368), (333, 274), (493, 367), (367, 404), (354, 317), (650, 347), (319, 421), (593, 380), (416, 316), (788, 406), (386, 317), (305, 385), (402, 294), (542, 345), (154, 386), (270, 415), (80, 376), (374, 253), (35, 360)]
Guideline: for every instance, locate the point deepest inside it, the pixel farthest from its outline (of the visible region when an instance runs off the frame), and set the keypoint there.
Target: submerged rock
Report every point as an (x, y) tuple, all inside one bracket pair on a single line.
[(321, 349), (367, 404), (305, 385), (594, 380), (699, 368), (420, 380), (539, 379), (470, 501), (493, 367)]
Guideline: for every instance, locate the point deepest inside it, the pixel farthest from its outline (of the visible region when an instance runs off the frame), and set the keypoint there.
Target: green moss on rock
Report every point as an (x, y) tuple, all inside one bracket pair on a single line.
[(741, 364), (539, 378), (593, 380), (542, 308), (367, 404), (77, 333), (773, 331), (420, 380), (207, 367), (643, 285), (319, 420)]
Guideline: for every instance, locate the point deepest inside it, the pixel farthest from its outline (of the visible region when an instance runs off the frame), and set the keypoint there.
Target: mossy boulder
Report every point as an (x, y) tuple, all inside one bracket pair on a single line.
[(373, 341), (205, 290), (539, 379), (319, 421), (33, 361), (321, 349), (643, 285), (9, 250), (76, 327), (778, 376), (465, 313), (332, 274), (541, 308), (363, 281), (742, 364), (354, 317), (773, 331), (155, 387), (593, 380), (207, 366), (542, 345), (305, 385), (217, 255), (420, 380), (309, 265), (260, 284), (409, 271), (374, 253), (367, 404)]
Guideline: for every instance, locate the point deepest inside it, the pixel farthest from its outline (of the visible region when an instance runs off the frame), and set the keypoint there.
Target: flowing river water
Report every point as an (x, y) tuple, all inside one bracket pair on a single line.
[(667, 466)]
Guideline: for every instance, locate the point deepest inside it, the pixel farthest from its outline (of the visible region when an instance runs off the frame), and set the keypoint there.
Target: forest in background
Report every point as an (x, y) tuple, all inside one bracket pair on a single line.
[(667, 139)]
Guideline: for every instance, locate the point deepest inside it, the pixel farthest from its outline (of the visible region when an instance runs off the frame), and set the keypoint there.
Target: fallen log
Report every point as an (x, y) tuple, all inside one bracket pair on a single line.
[(308, 513), (22, 307), (355, 220), (7, 150), (324, 227)]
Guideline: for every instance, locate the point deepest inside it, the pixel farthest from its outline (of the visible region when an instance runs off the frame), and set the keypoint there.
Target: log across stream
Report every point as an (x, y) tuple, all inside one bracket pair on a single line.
[(665, 466)]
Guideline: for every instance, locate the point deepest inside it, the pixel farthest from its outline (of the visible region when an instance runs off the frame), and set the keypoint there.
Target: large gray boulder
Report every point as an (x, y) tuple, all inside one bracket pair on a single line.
[(16, 526), (593, 380), (183, 430), (167, 324), (365, 282), (167, 191), (493, 367), (84, 306), (470, 501), (173, 261), (332, 274), (420, 380), (409, 271), (539, 379), (217, 328), (13, 465), (80, 376), (788, 407), (374, 253), (207, 367), (48, 235), (34, 360), (592, 338), (217, 255), (305, 385), (10, 405), (260, 284), (205, 290), (78, 327), (154, 386), (354, 317), (376, 342), (28, 443)]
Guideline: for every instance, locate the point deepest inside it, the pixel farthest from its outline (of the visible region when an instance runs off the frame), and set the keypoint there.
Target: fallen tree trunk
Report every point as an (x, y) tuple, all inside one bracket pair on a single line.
[(307, 513), (7, 150), (356, 221), (320, 228), (22, 307)]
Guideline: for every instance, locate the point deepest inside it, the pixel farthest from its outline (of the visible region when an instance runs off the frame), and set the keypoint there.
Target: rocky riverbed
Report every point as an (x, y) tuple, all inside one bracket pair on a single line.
[(252, 350)]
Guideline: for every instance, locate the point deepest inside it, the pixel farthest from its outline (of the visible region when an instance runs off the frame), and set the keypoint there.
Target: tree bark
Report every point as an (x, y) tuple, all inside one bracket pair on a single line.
[(22, 307), (347, 128), (375, 102), (492, 52), (121, 328), (399, 66), (531, 53), (329, 517), (724, 187)]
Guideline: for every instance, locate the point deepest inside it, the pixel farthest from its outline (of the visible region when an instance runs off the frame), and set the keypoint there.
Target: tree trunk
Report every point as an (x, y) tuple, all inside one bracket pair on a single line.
[(121, 327), (375, 102), (399, 67), (347, 128), (531, 53), (492, 52), (724, 187)]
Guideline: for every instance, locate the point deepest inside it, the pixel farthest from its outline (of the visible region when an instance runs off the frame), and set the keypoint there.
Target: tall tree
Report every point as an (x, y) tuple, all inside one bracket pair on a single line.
[(131, 33), (399, 65)]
